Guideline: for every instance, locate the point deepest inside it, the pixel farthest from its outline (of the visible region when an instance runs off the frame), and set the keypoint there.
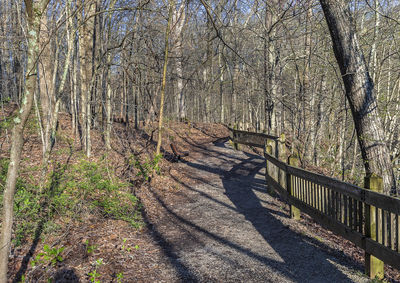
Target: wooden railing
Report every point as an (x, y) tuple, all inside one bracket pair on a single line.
[(369, 219)]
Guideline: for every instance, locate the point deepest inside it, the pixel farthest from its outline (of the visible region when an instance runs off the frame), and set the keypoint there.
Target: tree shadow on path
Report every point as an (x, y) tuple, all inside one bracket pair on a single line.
[(298, 257)]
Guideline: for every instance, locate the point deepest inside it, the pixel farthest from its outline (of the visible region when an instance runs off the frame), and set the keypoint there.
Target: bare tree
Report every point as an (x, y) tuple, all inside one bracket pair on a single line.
[(178, 21), (86, 68), (359, 91), (164, 78)]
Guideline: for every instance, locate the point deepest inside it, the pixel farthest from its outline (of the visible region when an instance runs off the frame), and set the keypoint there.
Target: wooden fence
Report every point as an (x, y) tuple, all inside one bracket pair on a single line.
[(364, 216)]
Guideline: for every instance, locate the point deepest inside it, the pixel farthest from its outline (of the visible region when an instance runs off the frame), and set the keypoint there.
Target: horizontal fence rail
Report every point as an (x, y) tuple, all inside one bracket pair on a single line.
[(255, 139), (369, 219)]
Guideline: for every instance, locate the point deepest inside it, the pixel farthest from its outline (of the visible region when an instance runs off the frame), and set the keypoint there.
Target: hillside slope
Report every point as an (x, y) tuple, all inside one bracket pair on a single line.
[(87, 223)]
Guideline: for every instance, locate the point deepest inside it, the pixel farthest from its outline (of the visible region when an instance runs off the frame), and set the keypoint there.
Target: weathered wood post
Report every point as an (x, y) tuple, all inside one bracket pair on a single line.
[(293, 160), (282, 157), (235, 145), (373, 265), (274, 152), (268, 149)]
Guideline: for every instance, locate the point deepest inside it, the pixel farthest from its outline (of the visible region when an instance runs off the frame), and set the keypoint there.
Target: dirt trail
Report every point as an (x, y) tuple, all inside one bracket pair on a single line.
[(226, 228)]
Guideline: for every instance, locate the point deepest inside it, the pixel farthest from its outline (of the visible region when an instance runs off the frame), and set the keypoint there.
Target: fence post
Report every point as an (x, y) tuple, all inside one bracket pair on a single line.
[(235, 145), (268, 149), (373, 265), (293, 160), (274, 152), (282, 157)]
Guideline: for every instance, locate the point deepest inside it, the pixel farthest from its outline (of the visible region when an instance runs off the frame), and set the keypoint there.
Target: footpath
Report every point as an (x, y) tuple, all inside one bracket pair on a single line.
[(226, 228)]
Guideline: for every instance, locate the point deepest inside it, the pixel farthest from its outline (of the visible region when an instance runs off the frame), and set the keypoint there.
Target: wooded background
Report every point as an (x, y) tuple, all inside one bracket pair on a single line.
[(262, 65)]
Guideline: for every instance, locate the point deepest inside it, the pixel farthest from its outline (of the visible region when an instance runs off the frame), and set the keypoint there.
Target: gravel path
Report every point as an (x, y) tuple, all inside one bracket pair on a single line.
[(228, 229)]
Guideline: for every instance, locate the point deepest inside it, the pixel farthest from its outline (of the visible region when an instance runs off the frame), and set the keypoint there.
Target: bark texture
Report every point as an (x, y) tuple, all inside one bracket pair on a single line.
[(34, 11), (359, 91), (47, 69)]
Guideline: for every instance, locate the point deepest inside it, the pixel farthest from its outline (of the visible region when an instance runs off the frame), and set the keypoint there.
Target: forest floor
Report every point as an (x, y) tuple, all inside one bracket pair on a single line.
[(207, 218)]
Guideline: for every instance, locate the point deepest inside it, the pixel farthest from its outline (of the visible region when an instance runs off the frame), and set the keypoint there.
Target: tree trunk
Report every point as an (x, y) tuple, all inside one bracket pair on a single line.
[(34, 10), (74, 93), (86, 71), (307, 94), (164, 79), (52, 123), (107, 134), (359, 91), (108, 107), (135, 90), (221, 84), (47, 75), (373, 56), (269, 64), (235, 86), (178, 21)]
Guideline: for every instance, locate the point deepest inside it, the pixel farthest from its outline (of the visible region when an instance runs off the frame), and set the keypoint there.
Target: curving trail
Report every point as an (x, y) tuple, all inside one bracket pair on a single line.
[(226, 228)]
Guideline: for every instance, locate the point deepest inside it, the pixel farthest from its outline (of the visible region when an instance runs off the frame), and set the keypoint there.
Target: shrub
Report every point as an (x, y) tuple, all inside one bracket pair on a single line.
[(147, 168)]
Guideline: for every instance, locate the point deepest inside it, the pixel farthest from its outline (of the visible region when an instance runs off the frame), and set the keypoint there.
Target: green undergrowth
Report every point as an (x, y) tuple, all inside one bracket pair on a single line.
[(6, 123), (148, 167), (96, 187), (26, 205), (72, 191)]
